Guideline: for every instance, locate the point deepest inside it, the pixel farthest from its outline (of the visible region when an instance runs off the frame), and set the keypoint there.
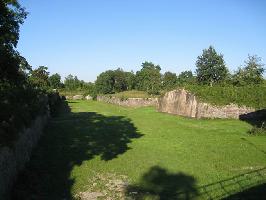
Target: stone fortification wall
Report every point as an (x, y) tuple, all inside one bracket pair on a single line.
[(14, 157), (181, 102), (129, 102)]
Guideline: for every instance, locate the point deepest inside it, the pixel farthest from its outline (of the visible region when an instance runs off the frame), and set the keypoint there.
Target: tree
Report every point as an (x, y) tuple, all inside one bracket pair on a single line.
[(149, 78), (39, 77), (12, 15), (211, 67), (186, 77), (169, 80), (72, 82), (130, 80), (55, 81), (112, 81), (251, 73), (104, 83), (119, 79)]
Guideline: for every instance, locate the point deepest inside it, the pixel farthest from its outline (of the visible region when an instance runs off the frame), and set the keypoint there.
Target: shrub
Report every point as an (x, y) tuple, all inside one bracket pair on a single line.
[(255, 130), (251, 96)]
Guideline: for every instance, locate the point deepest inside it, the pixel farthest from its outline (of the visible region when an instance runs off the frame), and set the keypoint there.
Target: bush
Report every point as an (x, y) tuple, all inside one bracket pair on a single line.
[(19, 106), (53, 100), (255, 130), (251, 96)]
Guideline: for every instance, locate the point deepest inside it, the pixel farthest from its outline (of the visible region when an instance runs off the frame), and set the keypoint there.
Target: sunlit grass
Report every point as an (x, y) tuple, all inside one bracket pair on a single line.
[(76, 148)]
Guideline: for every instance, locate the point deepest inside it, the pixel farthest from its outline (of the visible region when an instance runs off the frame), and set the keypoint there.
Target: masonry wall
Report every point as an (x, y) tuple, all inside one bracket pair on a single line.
[(14, 157), (129, 102), (12, 160), (181, 102)]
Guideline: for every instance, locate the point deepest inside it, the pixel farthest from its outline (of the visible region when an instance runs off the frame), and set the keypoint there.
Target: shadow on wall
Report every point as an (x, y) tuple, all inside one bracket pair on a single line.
[(70, 139), (256, 118), (158, 183)]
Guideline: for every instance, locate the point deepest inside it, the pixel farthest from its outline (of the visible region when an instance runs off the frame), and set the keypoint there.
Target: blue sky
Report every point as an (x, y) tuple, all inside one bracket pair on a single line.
[(87, 37)]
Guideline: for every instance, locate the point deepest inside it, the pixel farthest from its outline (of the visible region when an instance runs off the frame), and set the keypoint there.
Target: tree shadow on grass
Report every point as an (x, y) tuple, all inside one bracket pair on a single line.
[(257, 192), (158, 183), (249, 185), (69, 139)]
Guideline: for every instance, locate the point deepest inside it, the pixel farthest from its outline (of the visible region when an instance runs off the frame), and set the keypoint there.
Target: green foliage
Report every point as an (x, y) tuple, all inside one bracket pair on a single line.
[(112, 81), (211, 67), (119, 80), (252, 73), (169, 80), (186, 77), (251, 96), (55, 81), (105, 83), (18, 108), (54, 101), (71, 82), (255, 130), (149, 78), (22, 97), (39, 77), (12, 15), (130, 80)]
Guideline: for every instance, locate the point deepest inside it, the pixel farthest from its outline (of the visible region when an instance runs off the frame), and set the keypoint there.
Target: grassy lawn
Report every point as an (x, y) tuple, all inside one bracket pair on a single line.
[(138, 152)]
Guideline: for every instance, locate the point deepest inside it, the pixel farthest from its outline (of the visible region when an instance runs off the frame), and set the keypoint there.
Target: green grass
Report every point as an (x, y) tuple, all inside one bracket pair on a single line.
[(133, 94), (157, 154)]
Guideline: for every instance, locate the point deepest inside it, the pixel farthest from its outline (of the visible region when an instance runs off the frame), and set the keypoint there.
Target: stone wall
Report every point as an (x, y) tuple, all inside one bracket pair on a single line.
[(129, 102), (12, 160), (78, 97), (14, 157), (181, 102)]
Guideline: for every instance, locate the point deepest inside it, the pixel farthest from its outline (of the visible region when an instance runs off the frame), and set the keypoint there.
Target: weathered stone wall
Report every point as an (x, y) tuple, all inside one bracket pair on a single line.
[(14, 157), (78, 97), (181, 102), (129, 102), (12, 160)]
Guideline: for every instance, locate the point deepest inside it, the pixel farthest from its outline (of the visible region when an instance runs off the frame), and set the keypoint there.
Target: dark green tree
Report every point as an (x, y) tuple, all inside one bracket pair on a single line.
[(112, 81), (104, 83), (12, 15), (149, 78), (119, 79), (169, 80), (186, 77), (211, 67), (19, 100), (72, 82), (55, 81), (130, 80), (39, 77)]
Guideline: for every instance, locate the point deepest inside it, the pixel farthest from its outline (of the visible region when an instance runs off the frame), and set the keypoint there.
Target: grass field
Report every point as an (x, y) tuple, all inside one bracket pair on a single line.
[(139, 153)]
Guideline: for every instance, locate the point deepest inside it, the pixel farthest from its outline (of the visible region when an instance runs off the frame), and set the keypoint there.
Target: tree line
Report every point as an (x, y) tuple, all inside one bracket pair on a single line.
[(210, 70), (21, 86)]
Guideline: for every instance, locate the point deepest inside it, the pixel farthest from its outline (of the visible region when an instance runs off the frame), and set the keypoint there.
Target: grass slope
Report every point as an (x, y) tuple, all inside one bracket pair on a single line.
[(132, 94), (158, 154)]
